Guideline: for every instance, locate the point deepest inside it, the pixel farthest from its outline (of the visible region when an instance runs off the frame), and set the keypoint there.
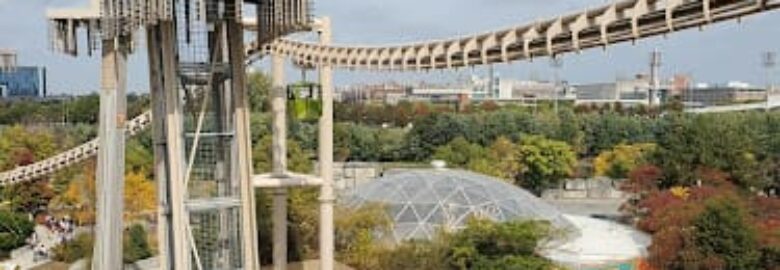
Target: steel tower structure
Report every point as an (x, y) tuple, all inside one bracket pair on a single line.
[(200, 126)]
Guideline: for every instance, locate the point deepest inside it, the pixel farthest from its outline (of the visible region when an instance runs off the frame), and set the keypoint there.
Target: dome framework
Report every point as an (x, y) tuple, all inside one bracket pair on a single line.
[(422, 202)]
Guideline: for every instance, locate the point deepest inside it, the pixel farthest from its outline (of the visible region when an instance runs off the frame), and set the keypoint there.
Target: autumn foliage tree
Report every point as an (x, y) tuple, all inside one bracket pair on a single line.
[(711, 225), (622, 159)]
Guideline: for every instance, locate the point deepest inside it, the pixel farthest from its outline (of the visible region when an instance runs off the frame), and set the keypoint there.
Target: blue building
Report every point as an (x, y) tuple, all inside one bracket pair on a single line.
[(21, 82)]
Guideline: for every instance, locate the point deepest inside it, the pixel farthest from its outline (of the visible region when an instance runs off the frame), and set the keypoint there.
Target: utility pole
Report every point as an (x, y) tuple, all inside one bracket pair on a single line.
[(769, 63), (655, 80), (556, 62)]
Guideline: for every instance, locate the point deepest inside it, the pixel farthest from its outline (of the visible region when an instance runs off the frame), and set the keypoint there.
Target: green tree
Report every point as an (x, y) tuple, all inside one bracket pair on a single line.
[(15, 228), (298, 160), (501, 160), (722, 231), (545, 162), (431, 132), (605, 131), (138, 156), (357, 231), (136, 244), (459, 152), (259, 85), (726, 142)]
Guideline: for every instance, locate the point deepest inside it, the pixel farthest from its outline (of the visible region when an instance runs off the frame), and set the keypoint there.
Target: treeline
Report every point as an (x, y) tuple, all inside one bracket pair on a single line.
[(76, 109), (744, 145)]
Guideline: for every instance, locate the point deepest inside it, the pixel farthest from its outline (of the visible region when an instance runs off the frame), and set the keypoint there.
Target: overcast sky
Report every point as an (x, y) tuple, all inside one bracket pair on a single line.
[(720, 53)]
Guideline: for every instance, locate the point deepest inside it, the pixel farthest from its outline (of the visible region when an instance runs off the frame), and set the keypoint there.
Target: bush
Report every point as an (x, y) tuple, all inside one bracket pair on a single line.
[(136, 245), (15, 228), (481, 245), (72, 251), (488, 245)]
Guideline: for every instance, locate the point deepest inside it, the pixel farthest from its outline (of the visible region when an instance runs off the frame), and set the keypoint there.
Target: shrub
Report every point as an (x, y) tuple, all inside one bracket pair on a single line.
[(72, 251), (136, 245), (15, 228)]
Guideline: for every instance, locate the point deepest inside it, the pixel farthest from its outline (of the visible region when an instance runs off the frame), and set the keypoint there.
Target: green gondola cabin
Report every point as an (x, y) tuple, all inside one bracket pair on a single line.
[(304, 101)]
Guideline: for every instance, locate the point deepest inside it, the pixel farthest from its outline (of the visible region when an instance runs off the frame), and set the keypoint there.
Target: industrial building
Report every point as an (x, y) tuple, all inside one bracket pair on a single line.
[(20, 81)]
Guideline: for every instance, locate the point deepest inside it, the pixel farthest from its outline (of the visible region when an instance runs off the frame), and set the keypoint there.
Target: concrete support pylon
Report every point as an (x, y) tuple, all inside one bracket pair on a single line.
[(244, 144), (107, 252), (157, 90), (327, 196), (180, 251), (279, 152)]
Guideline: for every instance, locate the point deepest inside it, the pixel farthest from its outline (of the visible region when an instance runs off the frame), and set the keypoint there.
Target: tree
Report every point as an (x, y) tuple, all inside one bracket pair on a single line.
[(140, 196), (297, 159), (459, 152), (139, 157), (431, 132), (259, 85), (356, 235), (723, 231), (604, 131), (726, 142), (15, 228), (618, 162), (78, 199), (501, 160), (29, 197), (545, 162), (20, 146)]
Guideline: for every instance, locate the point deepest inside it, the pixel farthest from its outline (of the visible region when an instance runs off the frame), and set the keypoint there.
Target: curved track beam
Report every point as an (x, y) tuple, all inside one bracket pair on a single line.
[(622, 21), (68, 158)]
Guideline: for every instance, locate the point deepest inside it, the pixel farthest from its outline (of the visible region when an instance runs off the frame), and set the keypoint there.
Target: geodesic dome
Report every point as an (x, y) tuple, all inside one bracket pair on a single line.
[(421, 202)]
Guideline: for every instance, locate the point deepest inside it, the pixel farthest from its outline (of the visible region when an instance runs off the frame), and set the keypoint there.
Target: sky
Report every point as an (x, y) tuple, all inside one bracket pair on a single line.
[(720, 53)]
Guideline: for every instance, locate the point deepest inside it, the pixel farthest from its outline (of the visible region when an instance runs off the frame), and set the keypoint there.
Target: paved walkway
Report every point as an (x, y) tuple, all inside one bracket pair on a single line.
[(25, 256)]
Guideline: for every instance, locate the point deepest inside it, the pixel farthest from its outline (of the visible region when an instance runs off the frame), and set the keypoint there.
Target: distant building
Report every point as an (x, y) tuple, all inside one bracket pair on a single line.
[(492, 88), (731, 93), (541, 90), (20, 81), (439, 94), (387, 93), (631, 91), (7, 60), (679, 84)]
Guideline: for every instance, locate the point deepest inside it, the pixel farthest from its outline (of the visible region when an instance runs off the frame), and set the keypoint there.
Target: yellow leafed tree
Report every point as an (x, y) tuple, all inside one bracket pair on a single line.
[(140, 196), (619, 161)]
